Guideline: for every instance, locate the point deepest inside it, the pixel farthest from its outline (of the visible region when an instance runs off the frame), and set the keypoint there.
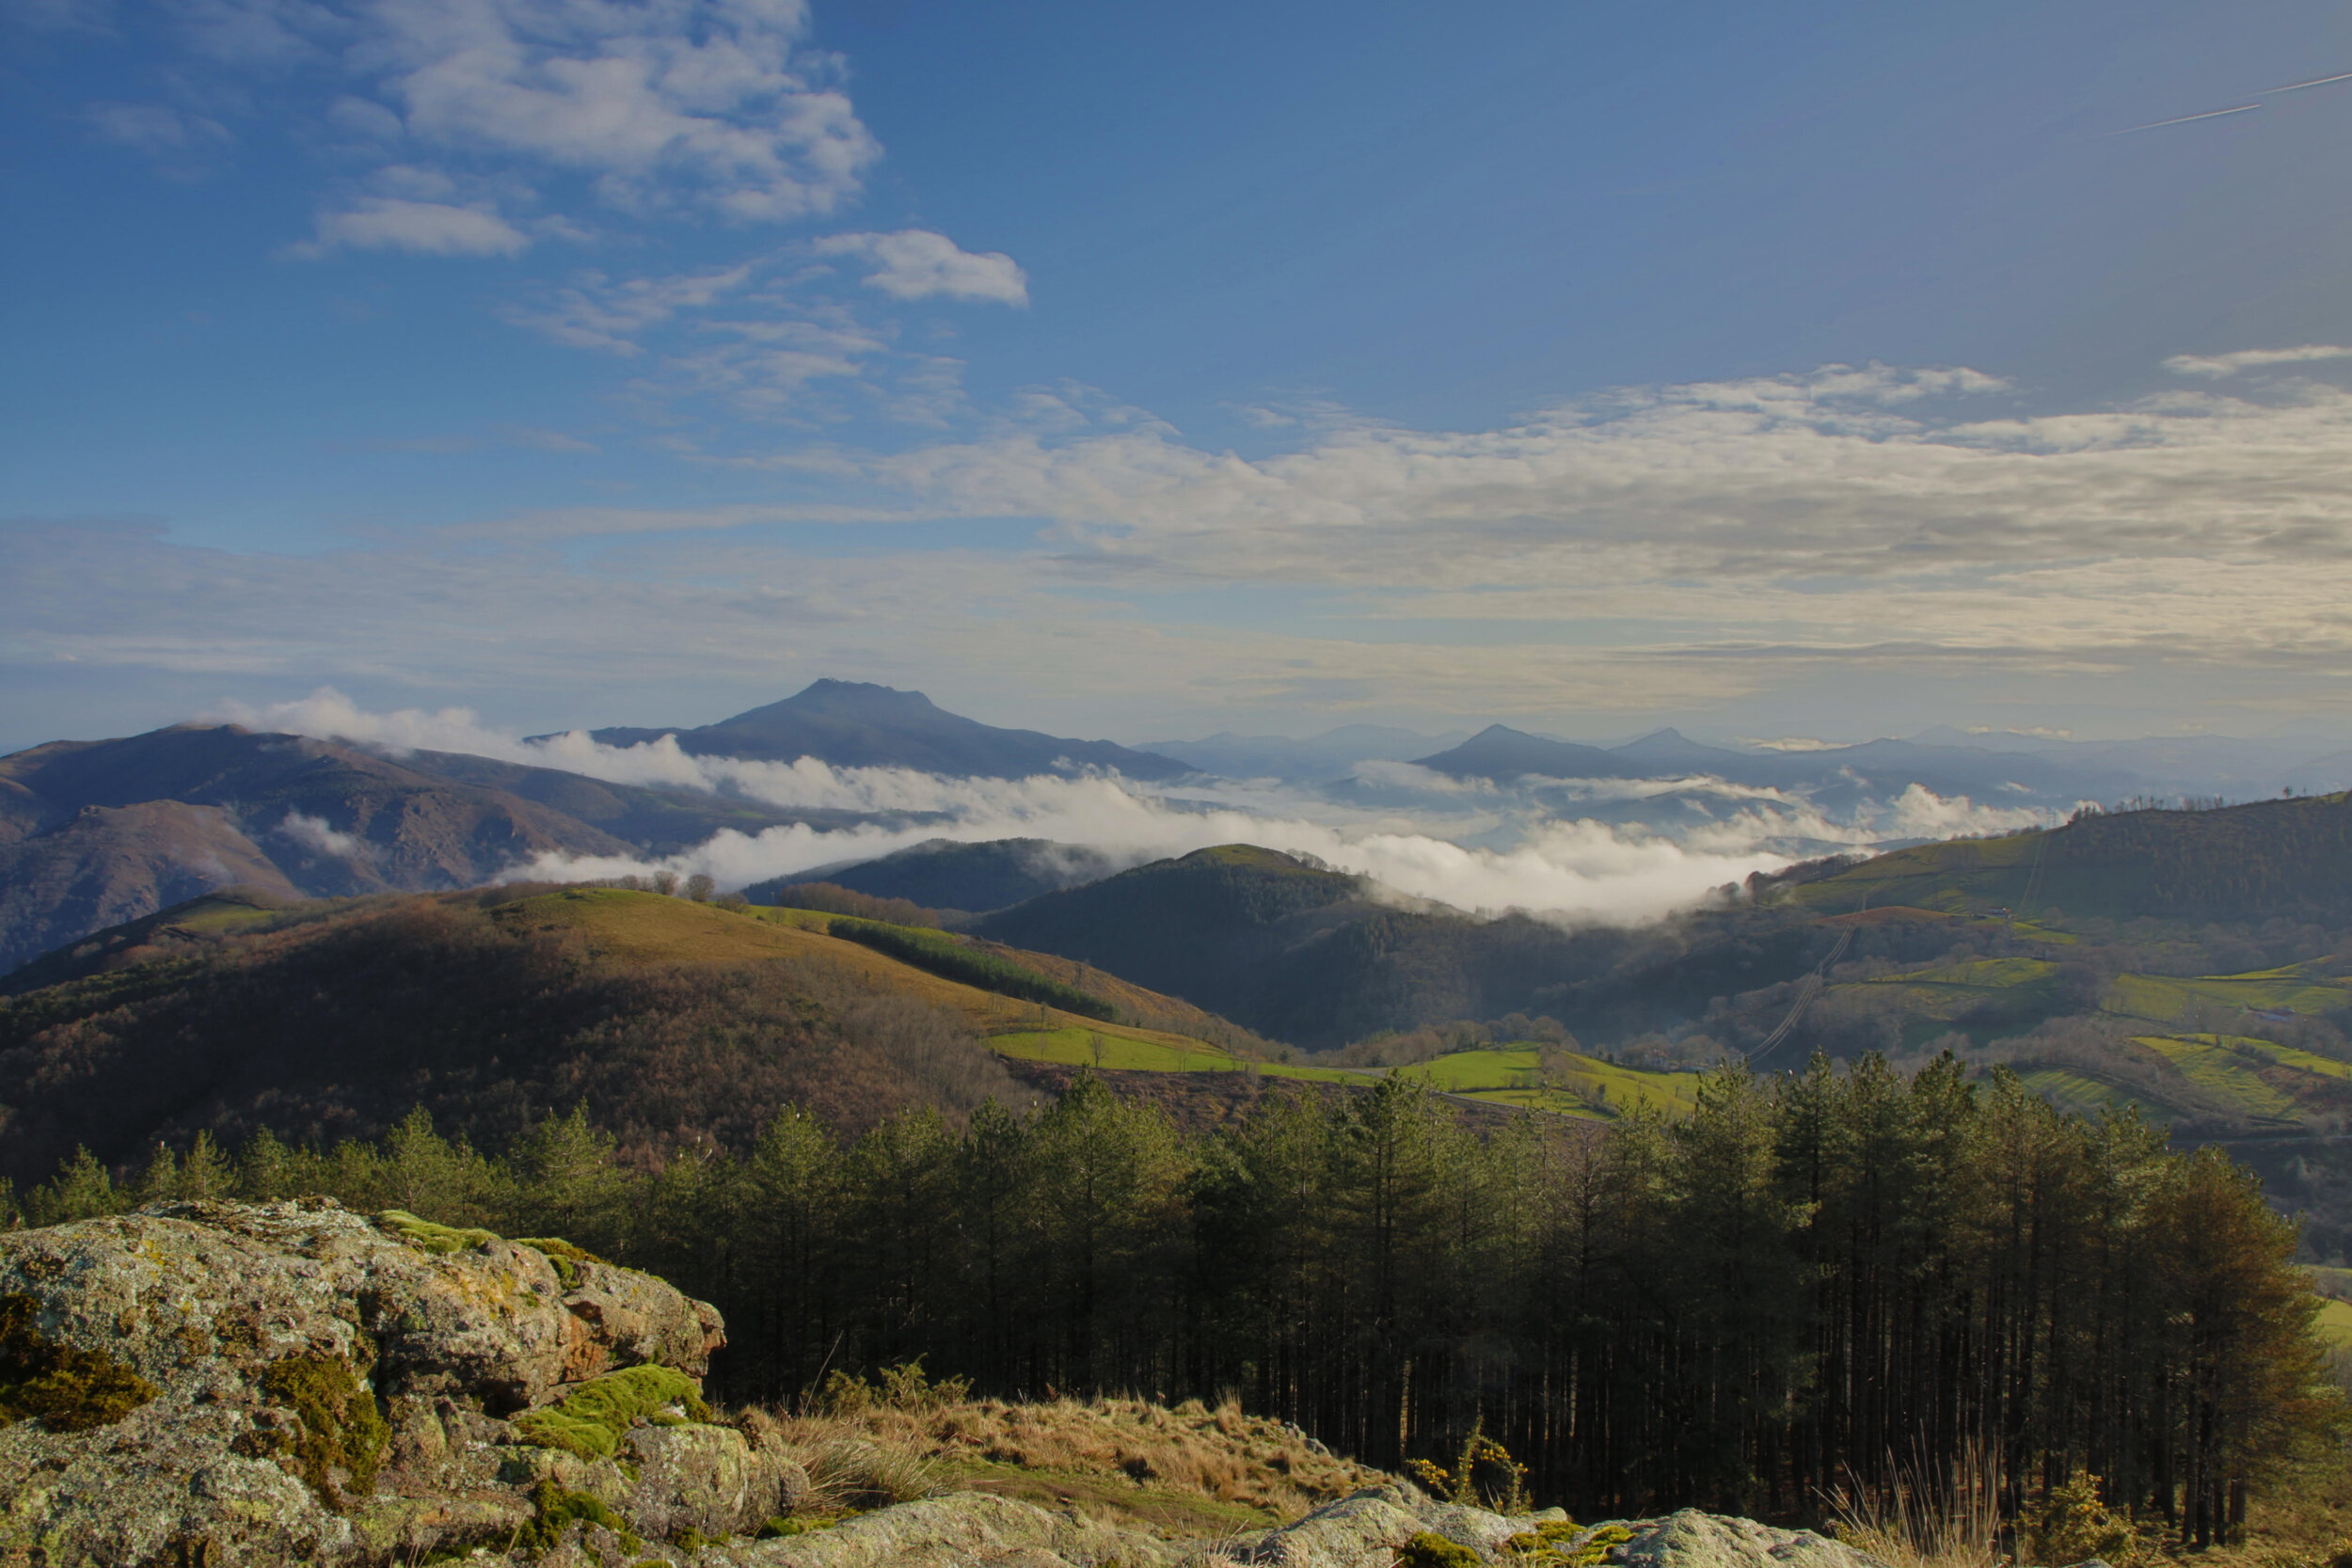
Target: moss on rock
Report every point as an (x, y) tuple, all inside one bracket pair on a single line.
[(565, 1255), (592, 1419), (65, 1387), (559, 1511), (425, 1236), (342, 1429)]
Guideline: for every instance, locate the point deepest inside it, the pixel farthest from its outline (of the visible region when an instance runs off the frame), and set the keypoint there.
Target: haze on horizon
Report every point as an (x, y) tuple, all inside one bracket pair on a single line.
[(1828, 372)]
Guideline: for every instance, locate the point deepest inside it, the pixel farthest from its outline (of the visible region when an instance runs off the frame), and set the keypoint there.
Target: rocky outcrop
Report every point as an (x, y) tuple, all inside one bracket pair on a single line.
[(295, 1382), (202, 1385)]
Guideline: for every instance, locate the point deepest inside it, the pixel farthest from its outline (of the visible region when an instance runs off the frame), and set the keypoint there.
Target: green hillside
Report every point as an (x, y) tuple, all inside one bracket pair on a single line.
[(668, 1019), (2269, 859)]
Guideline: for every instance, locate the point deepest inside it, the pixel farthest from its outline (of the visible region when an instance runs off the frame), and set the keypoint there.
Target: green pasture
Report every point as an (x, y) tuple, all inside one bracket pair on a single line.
[(1515, 1075), (1075, 1046), (2220, 1070), (2304, 988), (2334, 1323), (2070, 1090)]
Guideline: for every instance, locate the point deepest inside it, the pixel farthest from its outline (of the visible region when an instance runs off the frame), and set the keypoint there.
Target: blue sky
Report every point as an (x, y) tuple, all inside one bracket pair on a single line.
[(1815, 368)]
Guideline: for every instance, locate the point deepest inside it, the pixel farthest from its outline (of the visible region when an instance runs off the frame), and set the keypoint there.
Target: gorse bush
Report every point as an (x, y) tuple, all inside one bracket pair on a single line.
[(1752, 1308)]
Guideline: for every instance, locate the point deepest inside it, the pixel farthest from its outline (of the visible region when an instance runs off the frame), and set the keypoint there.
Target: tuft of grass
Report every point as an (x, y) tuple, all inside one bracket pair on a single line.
[(1939, 1519), (592, 1419)]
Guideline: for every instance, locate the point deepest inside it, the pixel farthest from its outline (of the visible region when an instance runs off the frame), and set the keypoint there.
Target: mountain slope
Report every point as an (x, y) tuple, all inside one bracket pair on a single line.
[(2288, 859), (941, 874), (853, 724), (113, 829), (671, 1021), (1318, 958), (1499, 752)]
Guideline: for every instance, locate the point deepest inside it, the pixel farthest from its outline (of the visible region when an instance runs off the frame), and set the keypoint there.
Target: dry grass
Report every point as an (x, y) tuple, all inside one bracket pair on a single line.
[(1184, 1471), (1929, 1518)]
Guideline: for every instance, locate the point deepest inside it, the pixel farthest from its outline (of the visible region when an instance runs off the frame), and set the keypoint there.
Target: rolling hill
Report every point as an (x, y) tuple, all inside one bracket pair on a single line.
[(670, 1019), (2287, 858), (96, 832), (1316, 957), (943, 874)]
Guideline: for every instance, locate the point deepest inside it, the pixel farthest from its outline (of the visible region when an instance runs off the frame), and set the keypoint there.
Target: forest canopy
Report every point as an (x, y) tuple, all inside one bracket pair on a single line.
[(1742, 1309)]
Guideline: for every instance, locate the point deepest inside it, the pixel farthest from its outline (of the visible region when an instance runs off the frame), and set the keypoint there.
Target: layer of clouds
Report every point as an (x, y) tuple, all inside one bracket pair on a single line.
[(1745, 550), (1505, 850)]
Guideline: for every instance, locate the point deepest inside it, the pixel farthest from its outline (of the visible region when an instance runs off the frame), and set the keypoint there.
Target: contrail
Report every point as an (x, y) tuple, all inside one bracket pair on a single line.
[(2316, 82), (2209, 114)]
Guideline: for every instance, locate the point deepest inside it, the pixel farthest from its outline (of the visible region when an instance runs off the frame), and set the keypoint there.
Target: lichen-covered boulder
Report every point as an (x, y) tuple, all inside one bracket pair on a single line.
[(1374, 1527), (1691, 1539), (223, 1382), (705, 1479)]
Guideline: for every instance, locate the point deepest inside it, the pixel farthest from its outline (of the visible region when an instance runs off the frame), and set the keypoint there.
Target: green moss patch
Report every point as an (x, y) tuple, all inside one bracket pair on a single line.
[(1429, 1549), (592, 1419), (427, 1237), (342, 1429), (565, 1255), (559, 1511), (63, 1387)]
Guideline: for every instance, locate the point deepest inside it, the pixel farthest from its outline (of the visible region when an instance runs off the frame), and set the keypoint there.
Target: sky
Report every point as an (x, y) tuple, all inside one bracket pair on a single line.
[(1811, 370)]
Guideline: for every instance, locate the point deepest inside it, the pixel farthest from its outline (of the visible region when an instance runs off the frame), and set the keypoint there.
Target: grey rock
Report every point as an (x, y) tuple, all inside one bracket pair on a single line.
[(203, 1300), (1691, 1539)]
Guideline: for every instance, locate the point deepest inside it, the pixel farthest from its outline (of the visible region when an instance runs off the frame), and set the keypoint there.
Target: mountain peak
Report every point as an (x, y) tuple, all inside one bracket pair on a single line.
[(828, 695)]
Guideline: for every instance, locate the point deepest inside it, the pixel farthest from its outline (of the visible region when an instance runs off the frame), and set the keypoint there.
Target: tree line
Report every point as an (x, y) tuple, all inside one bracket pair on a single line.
[(1815, 1280)]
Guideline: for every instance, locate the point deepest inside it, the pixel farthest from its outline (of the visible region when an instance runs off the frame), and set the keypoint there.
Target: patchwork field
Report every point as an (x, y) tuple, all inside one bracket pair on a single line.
[(2308, 989)]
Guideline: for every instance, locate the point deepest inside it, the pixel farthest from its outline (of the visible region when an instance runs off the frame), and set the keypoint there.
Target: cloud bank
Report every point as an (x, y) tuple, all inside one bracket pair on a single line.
[(1496, 849)]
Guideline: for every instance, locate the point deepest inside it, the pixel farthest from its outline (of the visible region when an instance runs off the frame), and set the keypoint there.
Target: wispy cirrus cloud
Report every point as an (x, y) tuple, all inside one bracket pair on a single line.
[(2220, 365)]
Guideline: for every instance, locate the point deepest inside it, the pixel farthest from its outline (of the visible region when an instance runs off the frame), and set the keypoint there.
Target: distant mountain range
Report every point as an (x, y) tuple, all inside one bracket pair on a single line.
[(96, 832), (1327, 755), (852, 725), (1881, 768)]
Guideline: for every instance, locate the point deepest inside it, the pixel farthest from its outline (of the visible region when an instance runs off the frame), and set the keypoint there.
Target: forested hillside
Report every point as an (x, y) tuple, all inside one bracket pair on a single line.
[(1801, 1283), (675, 1023)]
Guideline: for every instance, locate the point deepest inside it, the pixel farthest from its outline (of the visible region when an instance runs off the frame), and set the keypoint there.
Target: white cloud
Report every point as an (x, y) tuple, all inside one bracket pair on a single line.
[(172, 137), (421, 228), (2220, 365), (1793, 563), (703, 105), (317, 835), (595, 311), (643, 110), (915, 263), (1508, 849)]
